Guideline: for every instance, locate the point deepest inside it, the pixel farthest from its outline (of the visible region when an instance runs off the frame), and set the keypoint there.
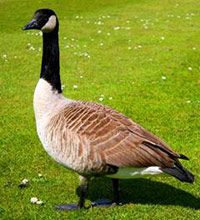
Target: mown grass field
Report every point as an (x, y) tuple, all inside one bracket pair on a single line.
[(139, 57)]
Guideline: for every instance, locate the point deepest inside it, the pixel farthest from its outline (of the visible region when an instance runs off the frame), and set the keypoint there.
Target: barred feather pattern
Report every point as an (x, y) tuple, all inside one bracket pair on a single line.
[(89, 137), (93, 139)]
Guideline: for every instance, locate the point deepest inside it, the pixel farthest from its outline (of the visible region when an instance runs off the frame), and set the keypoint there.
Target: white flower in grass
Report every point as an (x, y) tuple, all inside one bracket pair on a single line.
[(101, 44), (162, 38), (33, 199), (194, 48), (4, 56), (110, 98), (86, 55), (188, 101), (77, 17), (129, 48), (87, 22), (127, 22), (101, 99), (24, 183), (39, 174), (139, 46), (64, 38), (99, 31), (15, 57), (100, 23), (75, 86), (108, 34), (108, 16), (164, 77), (190, 68), (81, 77), (116, 28), (62, 88), (39, 202), (31, 48)]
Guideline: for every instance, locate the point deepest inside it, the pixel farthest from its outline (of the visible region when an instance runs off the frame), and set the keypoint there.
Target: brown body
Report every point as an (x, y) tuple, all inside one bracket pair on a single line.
[(93, 139)]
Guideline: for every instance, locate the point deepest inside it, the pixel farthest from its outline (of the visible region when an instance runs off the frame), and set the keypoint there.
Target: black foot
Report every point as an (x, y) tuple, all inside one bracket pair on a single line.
[(66, 207), (104, 203)]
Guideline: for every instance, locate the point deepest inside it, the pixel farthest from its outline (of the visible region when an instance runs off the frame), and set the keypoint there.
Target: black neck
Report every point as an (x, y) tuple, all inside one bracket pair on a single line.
[(50, 70)]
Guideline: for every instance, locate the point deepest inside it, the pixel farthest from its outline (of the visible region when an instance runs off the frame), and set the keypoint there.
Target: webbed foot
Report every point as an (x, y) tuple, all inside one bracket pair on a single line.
[(104, 203), (66, 207)]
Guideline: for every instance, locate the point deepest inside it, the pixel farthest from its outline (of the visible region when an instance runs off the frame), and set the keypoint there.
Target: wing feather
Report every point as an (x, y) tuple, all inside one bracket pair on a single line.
[(115, 138)]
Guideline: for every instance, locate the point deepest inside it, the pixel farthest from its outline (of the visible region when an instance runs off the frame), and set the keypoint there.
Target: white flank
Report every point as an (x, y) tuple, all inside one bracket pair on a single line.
[(50, 25), (129, 173)]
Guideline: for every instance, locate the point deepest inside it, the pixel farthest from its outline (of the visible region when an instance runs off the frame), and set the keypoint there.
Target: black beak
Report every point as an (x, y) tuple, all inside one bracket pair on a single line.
[(31, 25)]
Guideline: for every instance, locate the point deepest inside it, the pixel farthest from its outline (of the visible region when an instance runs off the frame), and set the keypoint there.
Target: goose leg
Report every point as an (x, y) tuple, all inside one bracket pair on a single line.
[(116, 191), (81, 204), (109, 203)]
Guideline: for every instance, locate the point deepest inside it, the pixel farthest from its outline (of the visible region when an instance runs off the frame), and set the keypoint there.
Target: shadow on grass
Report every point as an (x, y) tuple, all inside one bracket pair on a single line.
[(142, 191)]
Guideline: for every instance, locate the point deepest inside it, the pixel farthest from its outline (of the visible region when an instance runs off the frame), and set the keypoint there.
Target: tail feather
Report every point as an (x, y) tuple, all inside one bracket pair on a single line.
[(183, 157), (179, 172)]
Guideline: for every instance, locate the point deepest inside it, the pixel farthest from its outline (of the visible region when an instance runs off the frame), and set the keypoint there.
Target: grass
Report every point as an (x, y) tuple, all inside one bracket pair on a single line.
[(156, 85)]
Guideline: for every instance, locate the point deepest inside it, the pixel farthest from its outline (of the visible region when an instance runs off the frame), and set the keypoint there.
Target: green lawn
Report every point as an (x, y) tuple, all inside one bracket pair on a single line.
[(140, 57)]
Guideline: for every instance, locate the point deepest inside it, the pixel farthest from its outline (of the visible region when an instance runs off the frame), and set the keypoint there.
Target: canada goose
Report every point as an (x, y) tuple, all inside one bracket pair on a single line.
[(90, 138)]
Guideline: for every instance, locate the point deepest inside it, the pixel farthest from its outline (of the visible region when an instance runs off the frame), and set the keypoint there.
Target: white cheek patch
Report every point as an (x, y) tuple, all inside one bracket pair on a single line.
[(50, 25)]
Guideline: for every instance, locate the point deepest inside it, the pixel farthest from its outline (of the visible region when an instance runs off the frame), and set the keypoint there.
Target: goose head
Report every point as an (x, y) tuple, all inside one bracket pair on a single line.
[(44, 20)]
